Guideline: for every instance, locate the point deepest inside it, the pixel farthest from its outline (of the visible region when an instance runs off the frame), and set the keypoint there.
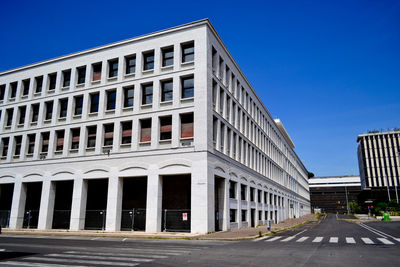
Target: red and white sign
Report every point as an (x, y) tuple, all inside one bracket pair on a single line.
[(184, 216)]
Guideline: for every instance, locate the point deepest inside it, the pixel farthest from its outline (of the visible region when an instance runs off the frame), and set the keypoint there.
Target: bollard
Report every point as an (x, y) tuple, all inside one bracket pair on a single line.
[(269, 225)]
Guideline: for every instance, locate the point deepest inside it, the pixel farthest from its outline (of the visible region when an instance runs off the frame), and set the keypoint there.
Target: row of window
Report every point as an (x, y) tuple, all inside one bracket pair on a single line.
[(167, 54), (166, 90), (268, 216), (88, 138)]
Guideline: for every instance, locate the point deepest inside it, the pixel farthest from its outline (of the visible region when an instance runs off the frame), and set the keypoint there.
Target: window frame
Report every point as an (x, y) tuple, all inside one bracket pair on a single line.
[(164, 92), (148, 65), (145, 95), (185, 54), (164, 58), (187, 88)]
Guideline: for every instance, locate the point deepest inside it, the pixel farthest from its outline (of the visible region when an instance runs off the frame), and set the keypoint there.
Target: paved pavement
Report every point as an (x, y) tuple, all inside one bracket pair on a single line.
[(331, 242)]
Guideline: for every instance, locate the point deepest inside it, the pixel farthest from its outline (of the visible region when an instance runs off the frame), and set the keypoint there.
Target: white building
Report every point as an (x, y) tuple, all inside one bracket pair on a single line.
[(158, 132)]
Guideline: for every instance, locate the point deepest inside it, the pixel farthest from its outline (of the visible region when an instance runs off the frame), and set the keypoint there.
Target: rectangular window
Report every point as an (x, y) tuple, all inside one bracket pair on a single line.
[(25, 85), (145, 130), (167, 56), (10, 114), (147, 94), (39, 84), (13, 89), (111, 99), (259, 215), (2, 91), (232, 215), (243, 192), (49, 110), (148, 60), (187, 87), (60, 140), (91, 137), (94, 102), (22, 112), (166, 90), (5, 144), (81, 75), (126, 132), (188, 52), (96, 75), (252, 194), (78, 105), (75, 134), (108, 134), (18, 142), (45, 142), (31, 143), (128, 96), (52, 81), (35, 112), (63, 107), (112, 68), (166, 128), (232, 189), (244, 215), (187, 130), (66, 78), (259, 192), (130, 62)]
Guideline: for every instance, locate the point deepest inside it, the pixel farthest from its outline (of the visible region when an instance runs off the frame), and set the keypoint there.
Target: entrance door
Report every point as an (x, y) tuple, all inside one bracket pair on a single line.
[(252, 217), (216, 201)]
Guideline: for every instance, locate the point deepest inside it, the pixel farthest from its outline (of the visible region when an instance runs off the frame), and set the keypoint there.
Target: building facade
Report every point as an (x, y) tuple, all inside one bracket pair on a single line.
[(161, 132), (332, 194), (379, 163)]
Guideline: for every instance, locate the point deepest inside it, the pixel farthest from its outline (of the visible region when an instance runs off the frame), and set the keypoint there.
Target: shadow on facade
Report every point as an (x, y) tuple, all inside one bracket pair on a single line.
[(134, 199), (96, 204), (62, 204), (32, 204), (6, 194)]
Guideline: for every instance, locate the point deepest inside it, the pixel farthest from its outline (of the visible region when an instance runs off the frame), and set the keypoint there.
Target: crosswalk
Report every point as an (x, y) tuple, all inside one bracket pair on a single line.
[(123, 256), (331, 240)]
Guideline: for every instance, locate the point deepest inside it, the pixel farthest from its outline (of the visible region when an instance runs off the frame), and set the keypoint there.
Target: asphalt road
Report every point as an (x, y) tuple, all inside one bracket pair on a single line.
[(332, 242)]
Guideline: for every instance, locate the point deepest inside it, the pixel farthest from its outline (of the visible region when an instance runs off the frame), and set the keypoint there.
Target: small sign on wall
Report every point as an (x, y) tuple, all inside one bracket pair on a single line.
[(184, 216)]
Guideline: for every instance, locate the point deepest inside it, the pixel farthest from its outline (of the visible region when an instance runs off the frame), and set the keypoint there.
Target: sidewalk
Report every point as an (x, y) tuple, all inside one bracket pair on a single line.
[(238, 234)]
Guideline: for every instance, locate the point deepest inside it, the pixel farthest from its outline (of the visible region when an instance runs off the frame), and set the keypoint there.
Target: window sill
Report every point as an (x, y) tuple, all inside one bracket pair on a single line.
[(74, 150), (166, 103), (93, 114), (77, 116), (166, 68), (110, 111), (111, 79), (166, 141), (65, 88), (79, 85), (51, 91), (16, 157), (88, 149), (186, 142), (145, 143), (24, 97), (7, 127), (125, 145), (188, 99), (146, 106), (186, 64), (58, 152), (34, 123), (3, 158), (62, 119), (127, 109), (147, 71), (37, 94), (29, 155), (20, 125), (47, 121), (96, 82), (130, 75), (11, 99)]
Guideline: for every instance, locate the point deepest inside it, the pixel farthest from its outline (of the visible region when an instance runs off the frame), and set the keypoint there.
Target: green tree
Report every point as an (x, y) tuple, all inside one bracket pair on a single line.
[(354, 207), (310, 175)]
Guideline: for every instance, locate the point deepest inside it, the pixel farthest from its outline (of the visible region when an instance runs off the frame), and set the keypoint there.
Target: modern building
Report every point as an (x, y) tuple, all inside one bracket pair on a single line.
[(379, 163), (332, 194), (161, 132)]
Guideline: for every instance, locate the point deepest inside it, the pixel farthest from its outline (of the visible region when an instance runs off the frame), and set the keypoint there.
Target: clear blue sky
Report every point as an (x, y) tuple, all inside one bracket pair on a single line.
[(330, 70)]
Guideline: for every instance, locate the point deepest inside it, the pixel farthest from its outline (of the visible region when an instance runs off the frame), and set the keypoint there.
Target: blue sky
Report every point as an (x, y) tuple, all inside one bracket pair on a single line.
[(330, 70)]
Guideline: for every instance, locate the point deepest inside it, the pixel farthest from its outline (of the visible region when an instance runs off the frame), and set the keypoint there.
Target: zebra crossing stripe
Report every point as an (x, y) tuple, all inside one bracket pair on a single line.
[(385, 241), (302, 239), (350, 240), (367, 240), (34, 264), (99, 262), (397, 239), (273, 239), (333, 240), (261, 238), (317, 239), (98, 257), (116, 254), (288, 239)]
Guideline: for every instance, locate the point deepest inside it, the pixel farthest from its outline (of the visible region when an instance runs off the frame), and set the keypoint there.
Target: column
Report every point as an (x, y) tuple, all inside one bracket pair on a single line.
[(248, 205), (239, 204), (154, 201), (114, 203), (225, 215), (18, 205), (47, 205), (78, 208)]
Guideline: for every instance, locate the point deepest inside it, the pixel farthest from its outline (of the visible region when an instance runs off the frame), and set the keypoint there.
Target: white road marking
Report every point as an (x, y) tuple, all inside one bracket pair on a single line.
[(302, 239), (25, 263), (317, 239), (385, 241), (261, 238), (273, 239), (116, 254), (2, 249), (397, 239), (350, 240), (98, 257), (333, 240), (367, 240), (123, 240), (288, 239), (83, 261)]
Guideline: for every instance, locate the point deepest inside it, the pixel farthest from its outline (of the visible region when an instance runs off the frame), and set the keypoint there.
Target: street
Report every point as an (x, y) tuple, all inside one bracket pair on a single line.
[(332, 242)]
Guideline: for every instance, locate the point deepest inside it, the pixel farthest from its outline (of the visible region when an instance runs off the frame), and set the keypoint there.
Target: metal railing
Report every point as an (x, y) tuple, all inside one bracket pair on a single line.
[(95, 220), (61, 219), (31, 218), (134, 219), (174, 220), (4, 218)]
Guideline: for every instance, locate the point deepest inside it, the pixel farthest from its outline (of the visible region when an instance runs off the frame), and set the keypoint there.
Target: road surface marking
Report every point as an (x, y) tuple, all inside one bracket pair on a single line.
[(26, 263), (385, 241), (288, 239), (397, 239), (317, 239), (350, 240), (123, 240), (273, 239), (333, 240), (82, 261), (2, 249), (116, 254), (375, 231), (98, 257), (302, 239), (261, 238), (367, 241)]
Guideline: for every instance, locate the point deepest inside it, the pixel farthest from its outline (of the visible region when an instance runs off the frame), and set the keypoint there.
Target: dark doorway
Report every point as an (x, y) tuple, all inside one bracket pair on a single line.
[(96, 204), (32, 204), (134, 200), (6, 194), (62, 204), (252, 218), (276, 216), (176, 203), (218, 202)]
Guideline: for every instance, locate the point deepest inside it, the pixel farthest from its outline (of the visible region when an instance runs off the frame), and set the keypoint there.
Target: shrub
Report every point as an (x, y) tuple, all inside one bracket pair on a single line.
[(354, 207)]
